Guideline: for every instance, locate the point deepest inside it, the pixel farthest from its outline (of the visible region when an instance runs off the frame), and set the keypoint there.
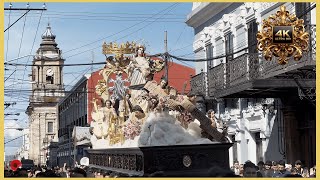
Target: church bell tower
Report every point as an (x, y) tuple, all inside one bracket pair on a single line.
[(47, 89)]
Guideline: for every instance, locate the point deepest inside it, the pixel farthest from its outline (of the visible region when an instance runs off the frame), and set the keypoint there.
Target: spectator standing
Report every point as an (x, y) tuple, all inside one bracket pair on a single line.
[(281, 170), (268, 172), (236, 168)]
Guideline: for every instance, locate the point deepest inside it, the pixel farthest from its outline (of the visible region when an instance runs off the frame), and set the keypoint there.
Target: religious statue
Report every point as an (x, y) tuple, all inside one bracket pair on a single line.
[(99, 126), (132, 127), (125, 112), (109, 112), (119, 88), (139, 69), (125, 107)]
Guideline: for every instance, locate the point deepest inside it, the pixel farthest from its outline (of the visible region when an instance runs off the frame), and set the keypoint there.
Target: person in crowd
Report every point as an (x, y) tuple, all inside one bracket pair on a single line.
[(236, 168), (298, 166), (7, 173), (30, 173), (268, 172), (313, 171), (305, 173), (50, 173), (281, 170), (274, 166), (288, 167), (78, 172), (217, 171), (250, 170), (261, 167), (106, 174), (241, 170)]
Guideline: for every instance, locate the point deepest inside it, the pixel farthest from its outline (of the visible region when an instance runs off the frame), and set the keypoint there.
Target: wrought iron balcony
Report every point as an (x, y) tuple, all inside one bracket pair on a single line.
[(199, 84), (251, 70)]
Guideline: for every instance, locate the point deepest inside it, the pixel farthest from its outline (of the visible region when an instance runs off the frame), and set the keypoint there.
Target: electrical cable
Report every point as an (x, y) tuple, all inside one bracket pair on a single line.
[(16, 20), (32, 44), (8, 35), (121, 37), (117, 32)]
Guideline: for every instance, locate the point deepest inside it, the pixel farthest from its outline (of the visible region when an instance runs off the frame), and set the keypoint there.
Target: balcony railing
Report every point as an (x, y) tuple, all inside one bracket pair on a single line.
[(198, 84), (249, 67), (243, 68), (216, 78)]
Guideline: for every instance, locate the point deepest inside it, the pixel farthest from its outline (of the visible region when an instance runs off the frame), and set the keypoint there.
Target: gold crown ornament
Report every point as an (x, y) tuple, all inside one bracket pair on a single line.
[(119, 50)]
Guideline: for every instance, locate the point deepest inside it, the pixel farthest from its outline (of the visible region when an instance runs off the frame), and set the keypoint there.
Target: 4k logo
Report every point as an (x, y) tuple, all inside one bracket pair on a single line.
[(282, 34)]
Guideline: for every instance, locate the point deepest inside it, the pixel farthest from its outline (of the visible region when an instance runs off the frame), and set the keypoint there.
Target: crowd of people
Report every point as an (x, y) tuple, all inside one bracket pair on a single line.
[(248, 169), (273, 169), (64, 172)]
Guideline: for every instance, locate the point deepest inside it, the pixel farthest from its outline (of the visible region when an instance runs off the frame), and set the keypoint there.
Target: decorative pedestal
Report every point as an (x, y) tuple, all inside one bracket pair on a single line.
[(173, 161)]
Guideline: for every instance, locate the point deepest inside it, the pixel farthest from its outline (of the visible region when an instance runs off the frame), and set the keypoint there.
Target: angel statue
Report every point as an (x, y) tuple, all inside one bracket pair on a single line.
[(99, 127)]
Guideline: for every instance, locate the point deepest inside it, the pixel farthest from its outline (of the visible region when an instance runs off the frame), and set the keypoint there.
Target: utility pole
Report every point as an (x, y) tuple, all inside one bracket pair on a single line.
[(166, 55), (23, 9)]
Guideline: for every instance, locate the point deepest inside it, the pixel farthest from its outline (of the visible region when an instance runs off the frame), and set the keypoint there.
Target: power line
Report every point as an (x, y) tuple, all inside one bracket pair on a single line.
[(178, 37), (125, 13), (117, 32), (19, 58), (24, 9), (121, 37), (79, 64), (32, 45), (9, 76), (108, 16), (16, 21), (209, 59), (14, 77), (14, 139), (8, 34), (24, 24), (106, 19)]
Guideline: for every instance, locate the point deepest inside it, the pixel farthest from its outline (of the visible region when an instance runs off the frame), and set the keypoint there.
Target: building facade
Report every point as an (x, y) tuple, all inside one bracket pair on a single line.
[(270, 112), (47, 89), (72, 112)]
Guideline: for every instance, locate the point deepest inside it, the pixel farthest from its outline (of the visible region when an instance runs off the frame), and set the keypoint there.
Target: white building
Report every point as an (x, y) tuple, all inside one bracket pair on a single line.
[(23, 151), (259, 126)]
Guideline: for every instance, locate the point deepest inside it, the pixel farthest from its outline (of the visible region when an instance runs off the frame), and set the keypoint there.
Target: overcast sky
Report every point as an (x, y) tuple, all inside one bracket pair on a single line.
[(80, 30)]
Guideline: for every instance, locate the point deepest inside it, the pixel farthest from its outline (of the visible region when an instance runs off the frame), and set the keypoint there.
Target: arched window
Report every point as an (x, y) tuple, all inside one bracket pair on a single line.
[(49, 79)]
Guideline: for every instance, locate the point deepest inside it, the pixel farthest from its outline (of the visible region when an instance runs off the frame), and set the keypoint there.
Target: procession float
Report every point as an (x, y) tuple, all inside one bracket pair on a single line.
[(141, 127)]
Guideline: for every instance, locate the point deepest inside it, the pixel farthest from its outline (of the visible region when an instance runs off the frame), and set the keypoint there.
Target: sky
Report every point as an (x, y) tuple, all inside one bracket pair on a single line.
[(81, 29)]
